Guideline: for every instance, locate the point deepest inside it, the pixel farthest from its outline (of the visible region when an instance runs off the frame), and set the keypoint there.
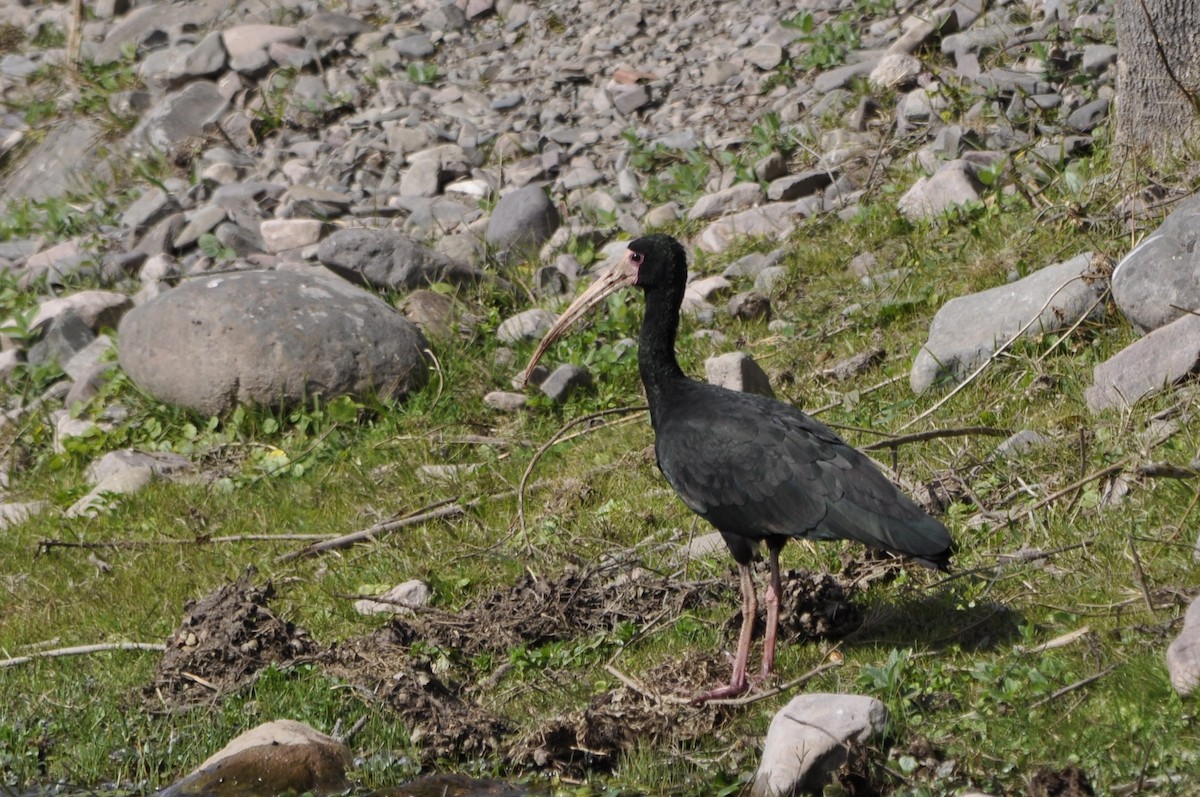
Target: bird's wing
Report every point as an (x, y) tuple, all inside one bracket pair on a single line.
[(757, 468)]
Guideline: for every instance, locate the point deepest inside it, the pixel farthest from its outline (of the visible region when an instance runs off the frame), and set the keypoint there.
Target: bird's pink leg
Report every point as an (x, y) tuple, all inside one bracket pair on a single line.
[(738, 683), (774, 596)]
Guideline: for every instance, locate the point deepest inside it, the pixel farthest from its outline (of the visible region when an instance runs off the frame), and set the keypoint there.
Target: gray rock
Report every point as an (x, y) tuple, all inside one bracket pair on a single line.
[(953, 184), (795, 186), (1161, 276), (271, 339), (388, 259), (1098, 57), (765, 55), (750, 306), (124, 472), (13, 513), (1183, 654), (731, 200), (769, 278), (772, 167), (737, 370), (1021, 442), (432, 312), (809, 738), (206, 59), (505, 401), (43, 173), (773, 220), (152, 23), (522, 220), (280, 235), (63, 337), (1087, 117), (845, 369), (896, 71), (97, 309), (183, 117), (244, 40), (1164, 357), (564, 381), (416, 45), (968, 329), (283, 756), (528, 325)]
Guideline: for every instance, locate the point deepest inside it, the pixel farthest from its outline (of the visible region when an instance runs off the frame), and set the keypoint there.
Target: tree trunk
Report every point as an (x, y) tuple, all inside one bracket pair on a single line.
[(1158, 74)]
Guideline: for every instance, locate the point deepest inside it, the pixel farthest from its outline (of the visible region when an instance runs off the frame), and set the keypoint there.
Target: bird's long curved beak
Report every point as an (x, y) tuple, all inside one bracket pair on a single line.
[(621, 275)]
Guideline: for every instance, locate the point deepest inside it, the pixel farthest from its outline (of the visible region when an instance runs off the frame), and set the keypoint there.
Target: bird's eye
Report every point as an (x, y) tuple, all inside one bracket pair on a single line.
[(636, 258)]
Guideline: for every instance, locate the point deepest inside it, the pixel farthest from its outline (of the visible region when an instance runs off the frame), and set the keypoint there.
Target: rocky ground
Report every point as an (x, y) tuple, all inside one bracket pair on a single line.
[(276, 168)]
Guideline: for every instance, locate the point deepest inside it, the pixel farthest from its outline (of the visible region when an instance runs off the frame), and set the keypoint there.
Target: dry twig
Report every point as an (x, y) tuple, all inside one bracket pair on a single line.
[(81, 650)]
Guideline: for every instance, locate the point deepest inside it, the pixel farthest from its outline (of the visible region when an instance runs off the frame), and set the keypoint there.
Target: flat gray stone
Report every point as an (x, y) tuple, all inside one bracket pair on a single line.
[(1161, 275), (731, 200), (953, 184), (1166, 356), (809, 737), (1183, 654), (528, 325), (968, 329), (269, 338), (737, 370), (182, 117), (564, 381)]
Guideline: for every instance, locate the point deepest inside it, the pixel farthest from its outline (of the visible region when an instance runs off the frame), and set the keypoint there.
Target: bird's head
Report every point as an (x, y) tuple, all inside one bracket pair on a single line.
[(652, 262)]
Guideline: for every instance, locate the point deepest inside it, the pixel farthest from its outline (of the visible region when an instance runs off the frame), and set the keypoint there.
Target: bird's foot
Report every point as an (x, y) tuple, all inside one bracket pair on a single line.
[(721, 692)]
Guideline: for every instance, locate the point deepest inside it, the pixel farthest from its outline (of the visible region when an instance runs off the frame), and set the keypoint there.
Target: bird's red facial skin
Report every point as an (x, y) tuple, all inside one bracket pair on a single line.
[(634, 259)]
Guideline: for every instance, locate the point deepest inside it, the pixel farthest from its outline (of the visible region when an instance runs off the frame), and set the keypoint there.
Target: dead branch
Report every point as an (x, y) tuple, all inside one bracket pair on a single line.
[(81, 650), (439, 510), (934, 434), (45, 545), (1082, 682)]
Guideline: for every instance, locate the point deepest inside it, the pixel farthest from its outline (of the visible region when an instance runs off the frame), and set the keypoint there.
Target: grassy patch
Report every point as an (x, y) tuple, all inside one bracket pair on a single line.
[(1048, 659)]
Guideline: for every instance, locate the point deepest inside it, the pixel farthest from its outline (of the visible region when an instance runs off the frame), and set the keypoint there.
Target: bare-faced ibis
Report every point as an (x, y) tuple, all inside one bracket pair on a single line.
[(756, 469)]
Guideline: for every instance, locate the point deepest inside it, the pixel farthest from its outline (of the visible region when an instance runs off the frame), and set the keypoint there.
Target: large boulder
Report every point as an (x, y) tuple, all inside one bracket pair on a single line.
[(269, 338), (969, 329), (1159, 280), (280, 757)]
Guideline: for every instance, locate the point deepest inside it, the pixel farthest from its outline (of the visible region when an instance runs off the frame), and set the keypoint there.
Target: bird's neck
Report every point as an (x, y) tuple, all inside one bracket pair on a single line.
[(656, 348)]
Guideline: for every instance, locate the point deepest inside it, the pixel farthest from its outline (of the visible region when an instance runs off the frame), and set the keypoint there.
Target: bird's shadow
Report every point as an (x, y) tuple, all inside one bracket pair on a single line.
[(937, 621)]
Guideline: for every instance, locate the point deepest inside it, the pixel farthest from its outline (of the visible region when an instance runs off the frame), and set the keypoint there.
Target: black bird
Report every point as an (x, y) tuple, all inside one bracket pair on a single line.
[(755, 468)]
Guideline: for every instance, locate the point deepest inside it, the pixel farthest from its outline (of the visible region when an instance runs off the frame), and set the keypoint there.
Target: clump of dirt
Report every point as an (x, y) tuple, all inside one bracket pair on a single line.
[(593, 738), (1069, 782), (816, 606), (535, 611), (442, 724), (225, 639)]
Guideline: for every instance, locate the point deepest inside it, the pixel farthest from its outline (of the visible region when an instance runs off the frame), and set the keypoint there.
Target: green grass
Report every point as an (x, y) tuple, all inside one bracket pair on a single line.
[(957, 661)]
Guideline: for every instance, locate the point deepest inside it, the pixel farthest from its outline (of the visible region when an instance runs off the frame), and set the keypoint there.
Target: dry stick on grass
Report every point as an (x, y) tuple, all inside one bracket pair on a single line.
[(45, 545), (994, 355), (556, 438), (934, 434), (1140, 574), (436, 511), (877, 386), (81, 650), (1082, 682)]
